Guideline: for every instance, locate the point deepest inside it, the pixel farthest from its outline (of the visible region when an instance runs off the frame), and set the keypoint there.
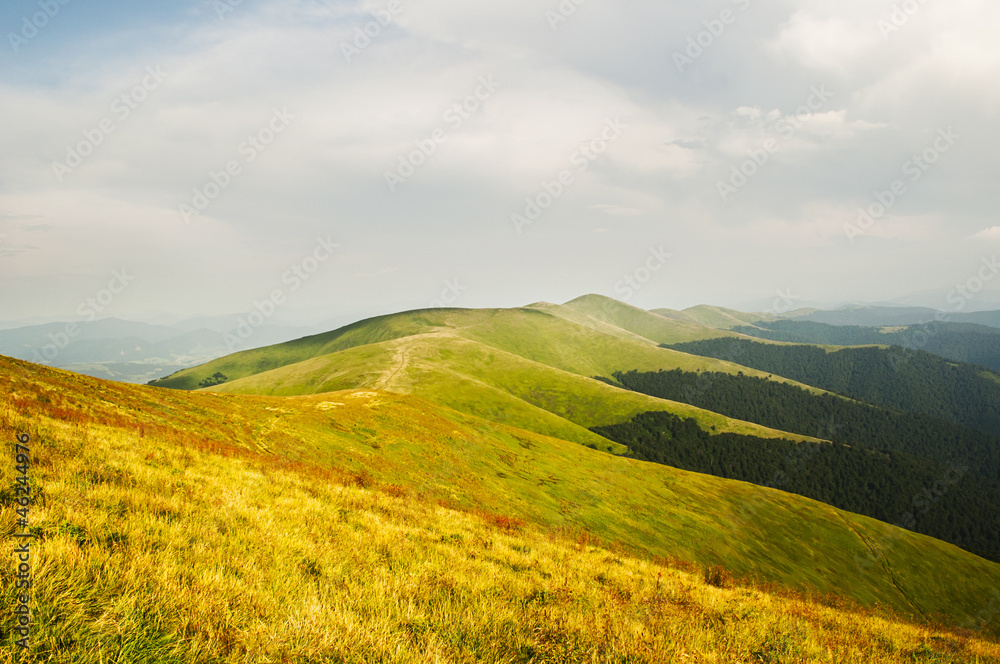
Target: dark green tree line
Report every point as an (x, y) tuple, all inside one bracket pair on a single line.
[(790, 408), (905, 380), (949, 503)]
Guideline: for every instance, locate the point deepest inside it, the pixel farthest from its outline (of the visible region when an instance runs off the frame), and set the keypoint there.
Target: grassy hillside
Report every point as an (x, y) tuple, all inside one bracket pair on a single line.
[(405, 365), (561, 338), (201, 527), (483, 380), (949, 503), (717, 317), (371, 330), (646, 324), (529, 367), (565, 337)]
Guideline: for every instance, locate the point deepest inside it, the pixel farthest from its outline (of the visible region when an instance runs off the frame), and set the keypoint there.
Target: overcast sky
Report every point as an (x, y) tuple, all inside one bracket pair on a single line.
[(713, 152)]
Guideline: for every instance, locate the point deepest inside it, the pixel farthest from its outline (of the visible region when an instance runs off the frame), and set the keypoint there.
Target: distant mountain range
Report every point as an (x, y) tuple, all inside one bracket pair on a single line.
[(136, 352), (854, 315), (875, 316)]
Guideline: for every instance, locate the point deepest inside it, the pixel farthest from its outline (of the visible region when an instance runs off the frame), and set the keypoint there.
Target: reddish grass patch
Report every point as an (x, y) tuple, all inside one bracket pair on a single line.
[(363, 479), (394, 490), (503, 522)]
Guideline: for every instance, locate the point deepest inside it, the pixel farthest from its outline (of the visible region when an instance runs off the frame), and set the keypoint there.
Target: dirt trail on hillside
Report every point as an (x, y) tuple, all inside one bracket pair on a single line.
[(399, 363)]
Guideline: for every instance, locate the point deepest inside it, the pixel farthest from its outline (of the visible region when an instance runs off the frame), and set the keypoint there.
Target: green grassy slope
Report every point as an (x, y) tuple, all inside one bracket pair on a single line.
[(400, 365), (368, 331), (125, 431), (508, 365), (717, 317), (599, 332), (646, 324), (558, 336), (482, 380)]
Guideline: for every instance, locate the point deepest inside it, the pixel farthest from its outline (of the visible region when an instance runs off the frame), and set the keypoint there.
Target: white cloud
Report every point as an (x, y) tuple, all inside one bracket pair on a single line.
[(827, 43), (991, 234)]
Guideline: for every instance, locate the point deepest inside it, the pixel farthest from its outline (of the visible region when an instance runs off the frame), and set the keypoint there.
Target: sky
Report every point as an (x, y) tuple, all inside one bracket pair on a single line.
[(318, 160)]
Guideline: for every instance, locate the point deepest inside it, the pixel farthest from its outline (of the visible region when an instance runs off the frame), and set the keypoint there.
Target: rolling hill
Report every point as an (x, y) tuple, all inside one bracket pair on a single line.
[(536, 368), (482, 380), (529, 367), (646, 324), (717, 317)]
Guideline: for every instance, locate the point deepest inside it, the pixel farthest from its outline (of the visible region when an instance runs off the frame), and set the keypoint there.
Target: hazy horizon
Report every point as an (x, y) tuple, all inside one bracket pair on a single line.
[(314, 320)]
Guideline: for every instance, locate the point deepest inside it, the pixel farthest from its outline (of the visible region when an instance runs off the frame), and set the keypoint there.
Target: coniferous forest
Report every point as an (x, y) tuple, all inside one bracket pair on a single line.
[(791, 408), (959, 342), (950, 503), (906, 380)]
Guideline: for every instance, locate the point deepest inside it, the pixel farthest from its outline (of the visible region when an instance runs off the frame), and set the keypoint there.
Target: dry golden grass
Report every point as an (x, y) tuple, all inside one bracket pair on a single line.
[(161, 550)]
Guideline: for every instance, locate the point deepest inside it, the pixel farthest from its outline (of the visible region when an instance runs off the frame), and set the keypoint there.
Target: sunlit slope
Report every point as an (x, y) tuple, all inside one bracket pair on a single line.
[(400, 365), (646, 324), (567, 337), (115, 438), (558, 336), (472, 377), (717, 317), (368, 331)]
